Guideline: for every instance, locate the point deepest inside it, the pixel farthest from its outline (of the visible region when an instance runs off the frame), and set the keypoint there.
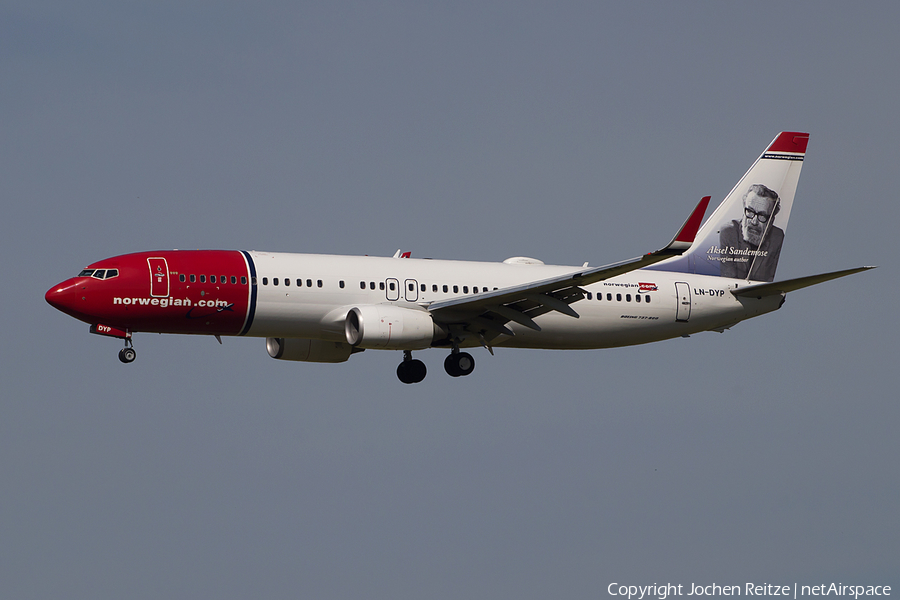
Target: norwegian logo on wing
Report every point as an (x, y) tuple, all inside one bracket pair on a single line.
[(647, 287)]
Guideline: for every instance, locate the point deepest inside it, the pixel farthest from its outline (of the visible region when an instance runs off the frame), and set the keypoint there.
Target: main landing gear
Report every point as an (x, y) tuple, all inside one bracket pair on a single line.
[(411, 370), (127, 354), (457, 364)]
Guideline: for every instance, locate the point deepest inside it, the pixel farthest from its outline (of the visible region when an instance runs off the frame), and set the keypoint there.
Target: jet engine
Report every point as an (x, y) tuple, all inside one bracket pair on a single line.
[(391, 327), (309, 350)]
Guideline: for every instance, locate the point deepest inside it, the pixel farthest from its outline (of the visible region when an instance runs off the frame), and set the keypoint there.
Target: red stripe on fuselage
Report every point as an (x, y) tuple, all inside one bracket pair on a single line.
[(210, 304)]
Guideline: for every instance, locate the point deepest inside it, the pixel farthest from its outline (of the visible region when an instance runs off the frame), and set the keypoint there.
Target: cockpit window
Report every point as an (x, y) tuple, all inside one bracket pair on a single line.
[(99, 273)]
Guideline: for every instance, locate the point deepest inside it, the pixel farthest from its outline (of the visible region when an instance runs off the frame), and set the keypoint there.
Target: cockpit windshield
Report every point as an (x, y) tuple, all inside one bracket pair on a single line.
[(99, 273)]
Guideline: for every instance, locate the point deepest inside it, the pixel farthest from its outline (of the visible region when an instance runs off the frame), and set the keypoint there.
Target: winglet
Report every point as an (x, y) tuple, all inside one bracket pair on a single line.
[(685, 236)]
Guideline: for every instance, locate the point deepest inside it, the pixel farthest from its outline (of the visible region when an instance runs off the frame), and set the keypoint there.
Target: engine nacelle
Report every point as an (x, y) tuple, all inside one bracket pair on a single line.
[(308, 350), (388, 326)]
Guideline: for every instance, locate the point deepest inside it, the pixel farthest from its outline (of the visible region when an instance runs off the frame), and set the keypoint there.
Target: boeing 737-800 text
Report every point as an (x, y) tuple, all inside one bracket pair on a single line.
[(322, 308)]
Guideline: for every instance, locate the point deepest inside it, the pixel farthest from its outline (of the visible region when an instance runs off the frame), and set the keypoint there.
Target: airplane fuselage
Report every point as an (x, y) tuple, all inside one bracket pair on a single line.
[(285, 295)]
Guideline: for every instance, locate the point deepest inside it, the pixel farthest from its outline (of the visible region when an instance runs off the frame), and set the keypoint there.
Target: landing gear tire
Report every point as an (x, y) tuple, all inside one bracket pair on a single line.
[(127, 355), (411, 371), (459, 364)]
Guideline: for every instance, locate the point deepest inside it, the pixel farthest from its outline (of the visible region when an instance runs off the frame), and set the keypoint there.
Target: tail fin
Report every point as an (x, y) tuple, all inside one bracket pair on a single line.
[(742, 238)]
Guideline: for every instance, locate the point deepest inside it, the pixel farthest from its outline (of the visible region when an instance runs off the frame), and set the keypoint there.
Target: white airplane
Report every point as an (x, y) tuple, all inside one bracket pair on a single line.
[(323, 308)]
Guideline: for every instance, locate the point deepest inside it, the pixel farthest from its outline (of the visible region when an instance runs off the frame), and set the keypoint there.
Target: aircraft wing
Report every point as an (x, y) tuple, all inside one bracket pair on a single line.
[(487, 314), (789, 285)]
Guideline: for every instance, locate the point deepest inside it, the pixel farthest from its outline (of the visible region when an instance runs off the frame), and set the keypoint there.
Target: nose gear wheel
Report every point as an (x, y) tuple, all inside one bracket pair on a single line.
[(127, 355)]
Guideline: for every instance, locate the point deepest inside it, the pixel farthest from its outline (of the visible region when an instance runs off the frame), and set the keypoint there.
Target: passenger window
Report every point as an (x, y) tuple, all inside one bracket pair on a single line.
[(203, 279), (193, 278), (362, 285), (391, 285), (423, 287), (647, 299), (243, 280), (233, 280), (287, 281), (223, 279), (253, 279), (609, 297), (265, 281), (627, 297), (274, 281), (309, 283), (618, 297), (455, 289), (434, 288), (299, 283), (372, 285), (445, 289), (381, 285), (590, 296), (637, 297), (465, 289), (212, 278), (412, 287), (319, 283), (181, 278), (341, 284)]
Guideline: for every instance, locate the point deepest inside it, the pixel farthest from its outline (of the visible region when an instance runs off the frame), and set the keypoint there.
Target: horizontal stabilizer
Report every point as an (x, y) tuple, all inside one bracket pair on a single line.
[(783, 287)]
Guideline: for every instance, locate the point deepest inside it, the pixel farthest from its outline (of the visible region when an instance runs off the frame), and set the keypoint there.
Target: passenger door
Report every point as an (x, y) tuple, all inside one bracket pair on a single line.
[(683, 298), (159, 277)]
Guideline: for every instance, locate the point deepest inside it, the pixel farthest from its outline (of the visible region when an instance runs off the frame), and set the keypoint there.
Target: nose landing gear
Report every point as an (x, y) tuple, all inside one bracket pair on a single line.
[(411, 370), (127, 354)]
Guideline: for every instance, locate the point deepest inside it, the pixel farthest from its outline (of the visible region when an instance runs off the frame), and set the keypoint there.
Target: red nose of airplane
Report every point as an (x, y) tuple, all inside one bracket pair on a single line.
[(70, 296)]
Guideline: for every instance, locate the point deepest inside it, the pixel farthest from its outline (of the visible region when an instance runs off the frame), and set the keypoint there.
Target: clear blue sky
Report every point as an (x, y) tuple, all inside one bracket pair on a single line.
[(571, 132)]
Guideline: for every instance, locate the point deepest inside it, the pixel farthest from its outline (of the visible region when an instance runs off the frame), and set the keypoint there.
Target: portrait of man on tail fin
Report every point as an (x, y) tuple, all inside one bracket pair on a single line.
[(753, 244)]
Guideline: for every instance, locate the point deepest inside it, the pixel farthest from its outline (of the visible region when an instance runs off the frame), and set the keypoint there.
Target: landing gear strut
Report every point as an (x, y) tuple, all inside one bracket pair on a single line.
[(459, 364), (411, 370), (127, 354)]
